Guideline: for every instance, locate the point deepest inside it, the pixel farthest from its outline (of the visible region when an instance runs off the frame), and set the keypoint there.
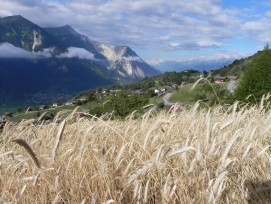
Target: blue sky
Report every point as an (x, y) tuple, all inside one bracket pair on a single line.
[(159, 30)]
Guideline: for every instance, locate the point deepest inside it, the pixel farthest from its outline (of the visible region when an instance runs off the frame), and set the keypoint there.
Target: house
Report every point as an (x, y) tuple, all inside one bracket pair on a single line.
[(105, 91), (156, 91), (43, 107), (163, 90), (174, 86), (219, 79), (82, 99), (137, 92), (69, 103), (115, 91), (54, 105), (232, 78)]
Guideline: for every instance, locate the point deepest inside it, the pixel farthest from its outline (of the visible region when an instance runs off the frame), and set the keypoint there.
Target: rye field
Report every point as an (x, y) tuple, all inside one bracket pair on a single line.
[(198, 155)]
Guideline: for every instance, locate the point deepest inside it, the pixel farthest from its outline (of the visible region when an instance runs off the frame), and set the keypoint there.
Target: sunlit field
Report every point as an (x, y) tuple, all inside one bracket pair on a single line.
[(193, 156)]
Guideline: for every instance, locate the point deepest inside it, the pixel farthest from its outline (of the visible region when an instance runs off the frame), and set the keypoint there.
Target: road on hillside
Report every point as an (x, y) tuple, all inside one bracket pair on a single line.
[(232, 86), (166, 98)]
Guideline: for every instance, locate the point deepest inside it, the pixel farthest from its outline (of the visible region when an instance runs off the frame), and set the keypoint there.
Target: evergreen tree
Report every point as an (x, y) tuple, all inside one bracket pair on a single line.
[(256, 80)]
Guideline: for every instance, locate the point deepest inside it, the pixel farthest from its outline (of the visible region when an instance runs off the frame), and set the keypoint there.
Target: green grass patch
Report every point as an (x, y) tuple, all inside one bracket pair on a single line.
[(209, 93)]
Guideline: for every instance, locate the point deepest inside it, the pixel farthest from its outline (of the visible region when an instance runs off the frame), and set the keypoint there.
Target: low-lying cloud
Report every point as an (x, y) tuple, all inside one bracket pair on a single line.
[(75, 52), (8, 50)]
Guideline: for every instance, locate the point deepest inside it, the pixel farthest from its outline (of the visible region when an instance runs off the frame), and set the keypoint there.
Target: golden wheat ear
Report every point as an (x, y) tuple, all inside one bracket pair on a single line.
[(26, 146)]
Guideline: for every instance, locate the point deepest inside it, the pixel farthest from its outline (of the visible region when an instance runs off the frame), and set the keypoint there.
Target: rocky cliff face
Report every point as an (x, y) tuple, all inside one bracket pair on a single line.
[(119, 61), (126, 62), (52, 61)]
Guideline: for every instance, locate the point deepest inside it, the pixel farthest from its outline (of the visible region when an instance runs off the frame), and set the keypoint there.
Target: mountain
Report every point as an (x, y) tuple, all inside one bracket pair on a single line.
[(54, 62), (36, 81), (195, 64), (125, 62), (120, 60), (22, 33), (68, 37)]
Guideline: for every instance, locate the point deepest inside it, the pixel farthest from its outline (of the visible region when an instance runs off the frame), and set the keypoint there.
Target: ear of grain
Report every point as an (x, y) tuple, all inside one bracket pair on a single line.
[(57, 198), (109, 201), (42, 115), (24, 144), (181, 151), (58, 139), (246, 152), (226, 124), (120, 154), (217, 187), (145, 199), (228, 147)]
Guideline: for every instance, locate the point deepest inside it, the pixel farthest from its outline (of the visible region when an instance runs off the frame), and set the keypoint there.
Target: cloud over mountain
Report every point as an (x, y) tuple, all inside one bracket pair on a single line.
[(175, 26), (7, 50), (206, 20), (76, 52)]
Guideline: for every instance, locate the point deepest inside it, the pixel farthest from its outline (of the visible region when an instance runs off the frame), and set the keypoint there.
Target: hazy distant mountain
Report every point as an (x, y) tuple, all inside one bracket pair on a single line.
[(196, 64), (59, 60)]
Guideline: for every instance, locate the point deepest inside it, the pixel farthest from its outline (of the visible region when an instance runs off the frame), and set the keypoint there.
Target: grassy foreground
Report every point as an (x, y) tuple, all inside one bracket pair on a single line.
[(196, 156)]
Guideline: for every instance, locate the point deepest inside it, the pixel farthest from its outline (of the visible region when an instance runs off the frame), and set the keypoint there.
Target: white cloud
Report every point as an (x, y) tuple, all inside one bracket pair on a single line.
[(157, 24), (9, 51), (46, 53), (137, 23), (260, 29), (76, 52)]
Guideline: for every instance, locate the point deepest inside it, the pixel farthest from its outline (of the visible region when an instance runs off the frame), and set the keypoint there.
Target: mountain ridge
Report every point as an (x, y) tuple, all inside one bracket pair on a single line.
[(22, 33), (56, 50)]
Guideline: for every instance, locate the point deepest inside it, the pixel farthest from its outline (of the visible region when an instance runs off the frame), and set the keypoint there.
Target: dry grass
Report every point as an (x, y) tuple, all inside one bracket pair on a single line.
[(197, 156)]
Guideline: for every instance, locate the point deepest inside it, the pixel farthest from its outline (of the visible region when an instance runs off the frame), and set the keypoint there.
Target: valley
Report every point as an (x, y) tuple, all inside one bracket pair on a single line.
[(58, 63)]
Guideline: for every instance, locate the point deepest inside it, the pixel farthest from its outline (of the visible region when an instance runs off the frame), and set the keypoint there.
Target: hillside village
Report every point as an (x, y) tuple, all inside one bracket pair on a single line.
[(148, 91)]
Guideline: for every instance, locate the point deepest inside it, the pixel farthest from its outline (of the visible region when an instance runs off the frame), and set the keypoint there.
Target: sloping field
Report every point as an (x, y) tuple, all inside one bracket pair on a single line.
[(196, 156)]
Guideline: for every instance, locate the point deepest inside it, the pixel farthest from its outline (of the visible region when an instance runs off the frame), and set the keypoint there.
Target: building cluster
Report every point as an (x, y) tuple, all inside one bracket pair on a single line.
[(222, 79)]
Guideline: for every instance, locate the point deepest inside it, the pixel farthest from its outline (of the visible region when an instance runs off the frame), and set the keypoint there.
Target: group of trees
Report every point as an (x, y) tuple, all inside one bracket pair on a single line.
[(122, 104), (213, 94), (257, 79)]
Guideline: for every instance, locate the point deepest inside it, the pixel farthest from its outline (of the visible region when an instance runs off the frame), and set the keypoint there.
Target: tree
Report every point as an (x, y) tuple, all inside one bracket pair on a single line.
[(19, 110), (205, 74), (266, 47), (122, 104), (256, 80)]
